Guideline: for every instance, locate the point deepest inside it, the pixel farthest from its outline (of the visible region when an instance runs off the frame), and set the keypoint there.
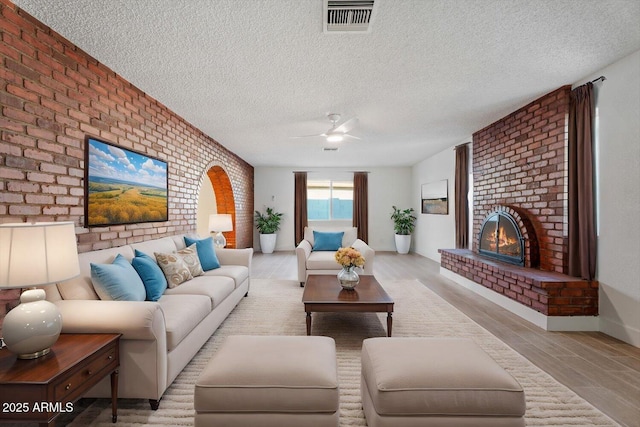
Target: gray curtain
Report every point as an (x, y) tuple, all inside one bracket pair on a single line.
[(461, 199), (582, 246), (300, 205), (361, 204)]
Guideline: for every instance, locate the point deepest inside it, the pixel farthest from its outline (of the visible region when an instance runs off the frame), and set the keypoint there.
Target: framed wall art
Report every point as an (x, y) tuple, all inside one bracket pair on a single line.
[(123, 186), (435, 197)]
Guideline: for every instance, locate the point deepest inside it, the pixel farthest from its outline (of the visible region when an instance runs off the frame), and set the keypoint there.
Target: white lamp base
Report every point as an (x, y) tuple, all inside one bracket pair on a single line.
[(219, 240), (31, 328)]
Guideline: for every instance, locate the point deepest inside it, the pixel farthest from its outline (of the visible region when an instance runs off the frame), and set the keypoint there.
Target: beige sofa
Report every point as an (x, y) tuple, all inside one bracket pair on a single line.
[(323, 262), (158, 338)]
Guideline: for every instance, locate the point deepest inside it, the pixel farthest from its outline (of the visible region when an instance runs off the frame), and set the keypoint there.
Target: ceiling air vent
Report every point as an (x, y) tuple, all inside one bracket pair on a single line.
[(348, 16), (329, 148)]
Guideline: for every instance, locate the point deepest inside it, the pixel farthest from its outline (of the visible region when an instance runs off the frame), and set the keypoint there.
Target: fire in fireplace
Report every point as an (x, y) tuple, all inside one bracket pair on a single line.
[(500, 238)]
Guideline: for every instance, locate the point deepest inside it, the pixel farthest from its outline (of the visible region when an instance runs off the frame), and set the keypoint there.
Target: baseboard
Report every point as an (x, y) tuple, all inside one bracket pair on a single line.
[(548, 323), (622, 332)]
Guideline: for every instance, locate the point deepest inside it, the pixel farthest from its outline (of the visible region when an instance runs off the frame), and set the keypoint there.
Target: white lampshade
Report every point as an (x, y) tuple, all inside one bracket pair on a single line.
[(35, 254), (220, 222)]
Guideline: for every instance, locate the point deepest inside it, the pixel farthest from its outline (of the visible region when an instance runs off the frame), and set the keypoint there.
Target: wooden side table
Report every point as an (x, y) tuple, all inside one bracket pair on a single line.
[(38, 390)]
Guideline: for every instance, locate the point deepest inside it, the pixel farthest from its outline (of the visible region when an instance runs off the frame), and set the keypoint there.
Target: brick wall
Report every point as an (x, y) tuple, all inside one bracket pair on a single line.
[(520, 161), (52, 94)]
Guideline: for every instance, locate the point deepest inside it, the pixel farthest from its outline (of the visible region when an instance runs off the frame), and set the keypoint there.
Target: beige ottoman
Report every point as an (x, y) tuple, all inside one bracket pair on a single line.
[(417, 382), (269, 381)]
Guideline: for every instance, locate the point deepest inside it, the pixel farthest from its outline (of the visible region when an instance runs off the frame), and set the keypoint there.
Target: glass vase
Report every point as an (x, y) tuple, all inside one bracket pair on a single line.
[(348, 278)]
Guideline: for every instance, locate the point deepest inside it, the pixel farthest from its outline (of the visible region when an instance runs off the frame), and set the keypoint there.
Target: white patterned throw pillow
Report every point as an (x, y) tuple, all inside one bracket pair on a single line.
[(174, 268), (190, 257)]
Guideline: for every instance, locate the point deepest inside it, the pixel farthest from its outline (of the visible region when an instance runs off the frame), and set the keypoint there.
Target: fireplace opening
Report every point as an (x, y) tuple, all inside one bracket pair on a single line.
[(500, 238)]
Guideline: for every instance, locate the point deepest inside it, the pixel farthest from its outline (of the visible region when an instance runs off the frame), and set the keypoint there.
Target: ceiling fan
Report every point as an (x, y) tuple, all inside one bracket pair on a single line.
[(336, 133)]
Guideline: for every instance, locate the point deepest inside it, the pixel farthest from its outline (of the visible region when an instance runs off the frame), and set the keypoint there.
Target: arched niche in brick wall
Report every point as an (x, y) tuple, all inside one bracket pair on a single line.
[(224, 198)]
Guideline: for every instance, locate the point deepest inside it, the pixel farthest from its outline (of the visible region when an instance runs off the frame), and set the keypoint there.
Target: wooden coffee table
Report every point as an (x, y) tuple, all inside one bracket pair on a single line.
[(323, 293)]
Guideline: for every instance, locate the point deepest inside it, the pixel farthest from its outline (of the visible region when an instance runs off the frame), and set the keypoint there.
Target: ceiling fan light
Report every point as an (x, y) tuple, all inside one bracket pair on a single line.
[(335, 137)]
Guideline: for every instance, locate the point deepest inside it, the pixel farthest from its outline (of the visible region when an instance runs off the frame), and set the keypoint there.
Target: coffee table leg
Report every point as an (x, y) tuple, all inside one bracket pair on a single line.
[(308, 323), (389, 323)]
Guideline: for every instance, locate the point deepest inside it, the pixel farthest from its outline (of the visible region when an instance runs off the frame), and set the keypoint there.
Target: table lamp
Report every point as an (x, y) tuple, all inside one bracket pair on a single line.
[(217, 224), (35, 254)]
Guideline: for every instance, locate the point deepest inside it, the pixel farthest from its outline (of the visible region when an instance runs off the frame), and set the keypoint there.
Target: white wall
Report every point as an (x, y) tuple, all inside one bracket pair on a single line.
[(435, 232), (206, 206), (618, 103), (387, 187)]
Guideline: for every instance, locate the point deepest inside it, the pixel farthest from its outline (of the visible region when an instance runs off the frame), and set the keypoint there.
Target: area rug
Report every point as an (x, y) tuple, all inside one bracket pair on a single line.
[(274, 307)]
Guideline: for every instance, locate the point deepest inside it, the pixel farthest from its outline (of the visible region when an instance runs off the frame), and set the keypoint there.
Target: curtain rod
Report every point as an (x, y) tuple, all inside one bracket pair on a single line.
[(601, 78)]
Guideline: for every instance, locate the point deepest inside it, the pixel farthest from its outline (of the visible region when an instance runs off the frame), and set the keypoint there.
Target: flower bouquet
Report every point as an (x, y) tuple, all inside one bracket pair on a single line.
[(349, 257)]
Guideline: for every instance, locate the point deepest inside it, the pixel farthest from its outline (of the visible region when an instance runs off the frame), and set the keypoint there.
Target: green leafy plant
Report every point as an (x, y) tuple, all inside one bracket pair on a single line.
[(403, 220), (269, 222)]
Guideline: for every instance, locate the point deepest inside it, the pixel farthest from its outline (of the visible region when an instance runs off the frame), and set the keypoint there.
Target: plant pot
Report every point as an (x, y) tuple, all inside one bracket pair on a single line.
[(403, 243), (267, 243)]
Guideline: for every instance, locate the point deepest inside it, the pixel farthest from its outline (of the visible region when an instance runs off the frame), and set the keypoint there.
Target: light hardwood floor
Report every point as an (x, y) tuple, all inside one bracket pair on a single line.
[(601, 369)]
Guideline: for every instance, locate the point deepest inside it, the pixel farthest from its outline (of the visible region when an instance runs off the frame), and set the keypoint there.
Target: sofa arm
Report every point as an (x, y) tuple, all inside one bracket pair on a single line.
[(235, 256), (135, 320), (367, 253), (303, 250)]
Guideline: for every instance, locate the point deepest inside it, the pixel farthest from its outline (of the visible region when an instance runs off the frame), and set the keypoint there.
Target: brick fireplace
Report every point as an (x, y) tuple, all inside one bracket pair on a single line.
[(520, 167)]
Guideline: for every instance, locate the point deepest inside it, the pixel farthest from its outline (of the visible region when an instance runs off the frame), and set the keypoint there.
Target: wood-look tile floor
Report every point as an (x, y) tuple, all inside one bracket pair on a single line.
[(601, 369)]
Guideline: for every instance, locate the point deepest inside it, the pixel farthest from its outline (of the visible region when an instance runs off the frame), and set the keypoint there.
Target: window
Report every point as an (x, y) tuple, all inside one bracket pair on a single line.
[(329, 200)]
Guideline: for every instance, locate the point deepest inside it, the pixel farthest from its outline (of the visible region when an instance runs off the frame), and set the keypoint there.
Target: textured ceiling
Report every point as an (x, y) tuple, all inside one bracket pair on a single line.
[(253, 73)]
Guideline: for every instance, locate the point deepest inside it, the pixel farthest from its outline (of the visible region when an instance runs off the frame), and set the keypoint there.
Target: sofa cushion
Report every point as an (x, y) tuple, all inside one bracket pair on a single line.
[(216, 288), (165, 245), (322, 260), (81, 287), (327, 241), (151, 274), (117, 281), (349, 237), (206, 252), (174, 268), (182, 313), (239, 273)]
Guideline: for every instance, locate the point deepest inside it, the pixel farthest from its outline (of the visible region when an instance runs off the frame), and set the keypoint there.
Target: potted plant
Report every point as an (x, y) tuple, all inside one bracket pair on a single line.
[(268, 224), (403, 223)]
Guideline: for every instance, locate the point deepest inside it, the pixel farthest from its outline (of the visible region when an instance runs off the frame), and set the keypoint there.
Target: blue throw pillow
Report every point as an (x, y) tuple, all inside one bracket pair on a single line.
[(151, 274), (206, 252), (117, 281), (327, 241)]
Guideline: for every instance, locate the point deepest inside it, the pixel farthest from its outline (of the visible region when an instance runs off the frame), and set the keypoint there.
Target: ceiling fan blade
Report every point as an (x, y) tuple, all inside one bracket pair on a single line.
[(346, 135), (309, 136), (347, 126)]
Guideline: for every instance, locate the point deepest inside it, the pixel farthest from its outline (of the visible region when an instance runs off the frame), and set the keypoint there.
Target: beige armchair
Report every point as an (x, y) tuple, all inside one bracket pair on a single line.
[(323, 262)]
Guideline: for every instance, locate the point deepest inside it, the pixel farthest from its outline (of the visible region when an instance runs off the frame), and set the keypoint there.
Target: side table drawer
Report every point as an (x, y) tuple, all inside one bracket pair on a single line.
[(86, 374)]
